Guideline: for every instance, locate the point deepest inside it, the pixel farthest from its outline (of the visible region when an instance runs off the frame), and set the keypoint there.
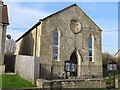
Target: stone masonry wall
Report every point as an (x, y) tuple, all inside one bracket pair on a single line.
[(70, 41), (72, 83)]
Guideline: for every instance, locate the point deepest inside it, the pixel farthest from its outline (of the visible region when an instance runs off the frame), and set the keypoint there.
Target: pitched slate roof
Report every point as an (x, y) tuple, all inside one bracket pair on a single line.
[(38, 23), (117, 52)]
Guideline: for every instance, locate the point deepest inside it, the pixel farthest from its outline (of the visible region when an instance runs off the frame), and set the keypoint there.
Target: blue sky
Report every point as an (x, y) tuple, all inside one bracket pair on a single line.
[(23, 16)]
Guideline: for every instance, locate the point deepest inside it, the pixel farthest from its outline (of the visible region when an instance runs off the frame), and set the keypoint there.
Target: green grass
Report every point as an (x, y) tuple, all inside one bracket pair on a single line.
[(117, 76), (109, 79), (14, 81)]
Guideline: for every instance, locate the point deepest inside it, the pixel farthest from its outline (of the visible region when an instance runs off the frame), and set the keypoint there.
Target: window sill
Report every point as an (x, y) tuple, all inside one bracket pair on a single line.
[(56, 60), (91, 62)]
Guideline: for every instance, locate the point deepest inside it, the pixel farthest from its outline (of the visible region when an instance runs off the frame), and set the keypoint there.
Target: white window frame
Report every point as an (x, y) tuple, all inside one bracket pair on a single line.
[(58, 46), (91, 48)]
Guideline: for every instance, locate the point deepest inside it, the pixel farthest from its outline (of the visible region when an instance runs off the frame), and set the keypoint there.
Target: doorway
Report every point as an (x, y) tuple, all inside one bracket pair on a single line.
[(73, 61), (71, 64)]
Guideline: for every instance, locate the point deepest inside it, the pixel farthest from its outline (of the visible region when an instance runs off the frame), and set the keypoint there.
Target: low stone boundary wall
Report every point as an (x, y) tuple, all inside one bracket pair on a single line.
[(25, 66), (71, 83)]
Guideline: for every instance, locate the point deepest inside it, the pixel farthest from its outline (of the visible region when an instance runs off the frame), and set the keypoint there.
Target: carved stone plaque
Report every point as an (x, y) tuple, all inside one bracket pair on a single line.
[(75, 26)]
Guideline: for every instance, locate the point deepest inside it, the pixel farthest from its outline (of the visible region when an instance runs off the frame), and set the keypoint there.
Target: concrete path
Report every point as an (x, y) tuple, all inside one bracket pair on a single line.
[(10, 73)]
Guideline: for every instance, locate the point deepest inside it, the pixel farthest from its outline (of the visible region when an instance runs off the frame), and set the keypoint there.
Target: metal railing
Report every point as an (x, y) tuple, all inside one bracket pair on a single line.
[(48, 71)]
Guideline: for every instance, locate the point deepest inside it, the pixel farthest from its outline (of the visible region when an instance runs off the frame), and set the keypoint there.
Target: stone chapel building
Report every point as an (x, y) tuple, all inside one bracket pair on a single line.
[(66, 41)]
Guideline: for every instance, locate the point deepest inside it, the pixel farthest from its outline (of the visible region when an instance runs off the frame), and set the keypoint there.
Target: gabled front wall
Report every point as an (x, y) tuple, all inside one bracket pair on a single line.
[(68, 42)]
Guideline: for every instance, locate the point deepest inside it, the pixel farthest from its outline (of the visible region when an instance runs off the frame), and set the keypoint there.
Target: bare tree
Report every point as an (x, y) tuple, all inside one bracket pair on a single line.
[(106, 57), (10, 46)]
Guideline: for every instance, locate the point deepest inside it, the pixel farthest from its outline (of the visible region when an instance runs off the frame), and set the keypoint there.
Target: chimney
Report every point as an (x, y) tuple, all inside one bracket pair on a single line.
[(3, 13), (1, 2)]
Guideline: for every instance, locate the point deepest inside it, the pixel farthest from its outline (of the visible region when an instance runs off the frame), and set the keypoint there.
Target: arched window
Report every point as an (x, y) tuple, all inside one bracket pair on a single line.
[(55, 45), (90, 47)]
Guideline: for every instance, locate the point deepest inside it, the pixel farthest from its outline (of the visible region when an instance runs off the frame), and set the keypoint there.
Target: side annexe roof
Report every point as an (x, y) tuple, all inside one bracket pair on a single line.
[(117, 52)]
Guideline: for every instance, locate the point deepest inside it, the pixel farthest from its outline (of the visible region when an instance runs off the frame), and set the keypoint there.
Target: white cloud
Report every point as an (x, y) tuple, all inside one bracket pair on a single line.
[(15, 33), (23, 17)]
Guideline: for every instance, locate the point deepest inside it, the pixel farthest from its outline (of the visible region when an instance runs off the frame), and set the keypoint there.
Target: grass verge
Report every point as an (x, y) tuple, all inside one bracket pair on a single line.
[(14, 81)]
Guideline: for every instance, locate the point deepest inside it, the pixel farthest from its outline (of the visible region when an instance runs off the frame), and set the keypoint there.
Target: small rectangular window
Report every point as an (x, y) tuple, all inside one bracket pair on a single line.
[(90, 52), (55, 57), (55, 50), (90, 58), (55, 42)]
